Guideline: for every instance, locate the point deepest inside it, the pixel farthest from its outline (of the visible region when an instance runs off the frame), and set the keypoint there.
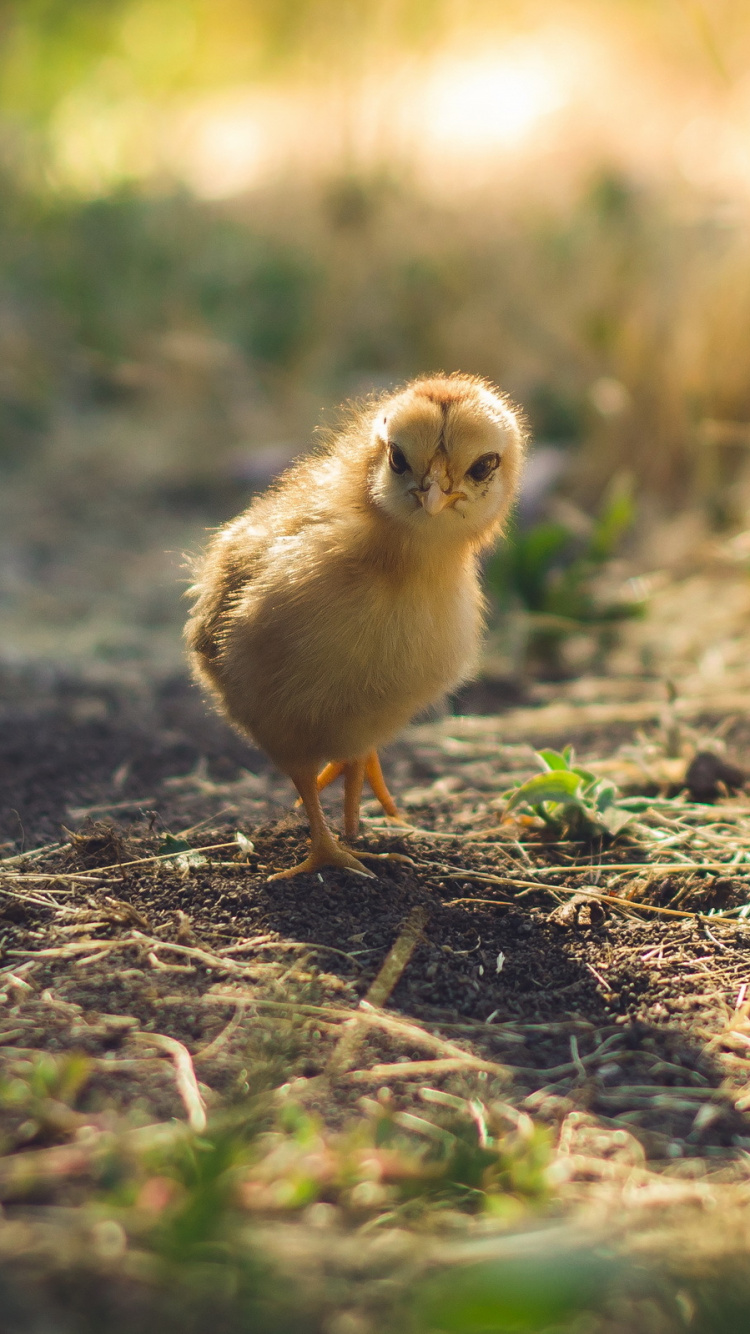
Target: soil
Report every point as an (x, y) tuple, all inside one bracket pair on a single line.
[(568, 1004)]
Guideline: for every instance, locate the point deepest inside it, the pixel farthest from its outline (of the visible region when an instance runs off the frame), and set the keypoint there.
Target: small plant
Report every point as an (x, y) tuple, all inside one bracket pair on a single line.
[(37, 1100), (187, 1199), (569, 798), (549, 574), (546, 1287), (177, 852), (470, 1157)]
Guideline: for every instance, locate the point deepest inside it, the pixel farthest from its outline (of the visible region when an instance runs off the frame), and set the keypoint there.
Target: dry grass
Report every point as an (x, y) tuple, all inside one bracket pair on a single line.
[(456, 1156)]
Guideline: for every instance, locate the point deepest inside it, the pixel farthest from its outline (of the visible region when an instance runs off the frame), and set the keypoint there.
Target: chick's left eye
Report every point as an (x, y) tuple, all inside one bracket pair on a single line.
[(397, 459), (481, 469)]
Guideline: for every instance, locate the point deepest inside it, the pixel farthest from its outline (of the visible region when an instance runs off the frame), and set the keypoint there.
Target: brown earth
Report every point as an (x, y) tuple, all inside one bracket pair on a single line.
[(567, 1003)]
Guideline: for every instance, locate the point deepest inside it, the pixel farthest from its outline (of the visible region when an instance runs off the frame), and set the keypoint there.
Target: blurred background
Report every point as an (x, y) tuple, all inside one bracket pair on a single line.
[(219, 218)]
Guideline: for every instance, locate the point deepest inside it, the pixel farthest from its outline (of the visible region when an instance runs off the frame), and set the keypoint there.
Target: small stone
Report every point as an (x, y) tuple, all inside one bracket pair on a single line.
[(708, 773)]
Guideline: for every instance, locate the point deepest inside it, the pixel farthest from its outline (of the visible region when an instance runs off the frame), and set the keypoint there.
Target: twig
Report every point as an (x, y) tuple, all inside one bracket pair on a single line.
[(71, 949), (9, 1034), (169, 967), (657, 868), (112, 945), (598, 977), (163, 856), (206, 957), (29, 898), (265, 944), (483, 877), (82, 812), (417, 1069), (380, 989), (503, 903), (247, 943), (187, 1084), (211, 1048), (627, 905), (78, 928), (400, 1028), (576, 1055), (33, 855), (397, 958), (12, 975), (193, 828), (365, 1014), (568, 1067), (712, 937), (87, 878)]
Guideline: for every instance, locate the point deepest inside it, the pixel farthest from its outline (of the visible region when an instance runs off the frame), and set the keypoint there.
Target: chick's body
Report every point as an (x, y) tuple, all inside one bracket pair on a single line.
[(326, 652), (347, 599)]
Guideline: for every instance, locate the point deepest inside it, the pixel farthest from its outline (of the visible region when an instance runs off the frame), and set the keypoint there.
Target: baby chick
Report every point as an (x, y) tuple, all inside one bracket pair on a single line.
[(346, 599)]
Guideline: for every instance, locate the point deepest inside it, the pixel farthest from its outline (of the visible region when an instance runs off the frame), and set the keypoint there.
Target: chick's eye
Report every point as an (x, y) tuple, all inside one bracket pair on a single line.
[(481, 469), (397, 459)]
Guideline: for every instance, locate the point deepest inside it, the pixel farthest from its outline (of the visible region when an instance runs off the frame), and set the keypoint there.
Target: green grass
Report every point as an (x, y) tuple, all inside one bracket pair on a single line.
[(180, 1221), (549, 574), (161, 1229)]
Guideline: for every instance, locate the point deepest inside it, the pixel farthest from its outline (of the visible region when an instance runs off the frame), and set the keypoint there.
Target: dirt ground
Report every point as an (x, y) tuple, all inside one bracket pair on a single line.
[(599, 987), (568, 1003)]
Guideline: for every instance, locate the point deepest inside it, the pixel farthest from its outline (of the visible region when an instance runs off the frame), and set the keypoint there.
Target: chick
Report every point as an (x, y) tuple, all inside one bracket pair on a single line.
[(347, 598)]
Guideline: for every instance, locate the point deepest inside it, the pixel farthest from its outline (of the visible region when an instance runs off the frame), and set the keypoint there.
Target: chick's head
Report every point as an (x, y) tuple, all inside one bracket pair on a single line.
[(447, 459)]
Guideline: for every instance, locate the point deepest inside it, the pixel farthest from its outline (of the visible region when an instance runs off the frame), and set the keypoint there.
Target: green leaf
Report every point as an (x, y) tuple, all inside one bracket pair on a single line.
[(601, 793), (573, 798), (180, 852), (554, 760), (523, 1293), (557, 785), (615, 518), (614, 819), (171, 843), (521, 567)]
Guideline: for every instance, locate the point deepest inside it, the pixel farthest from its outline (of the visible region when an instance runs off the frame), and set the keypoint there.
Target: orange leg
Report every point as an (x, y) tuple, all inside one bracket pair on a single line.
[(355, 771), (330, 773), (375, 778), (325, 849), (374, 775), (354, 777), (327, 775)]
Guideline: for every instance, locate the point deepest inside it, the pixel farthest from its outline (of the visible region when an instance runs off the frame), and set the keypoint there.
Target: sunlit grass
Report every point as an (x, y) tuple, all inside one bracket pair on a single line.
[(225, 97), (618, 321), (266, 212)]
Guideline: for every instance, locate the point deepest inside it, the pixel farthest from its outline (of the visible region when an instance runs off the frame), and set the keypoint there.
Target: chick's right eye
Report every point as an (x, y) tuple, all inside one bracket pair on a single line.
[(397, 459)]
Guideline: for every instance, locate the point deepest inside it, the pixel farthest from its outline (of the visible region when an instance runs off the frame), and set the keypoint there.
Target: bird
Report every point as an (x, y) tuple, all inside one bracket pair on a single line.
[(347, 598)]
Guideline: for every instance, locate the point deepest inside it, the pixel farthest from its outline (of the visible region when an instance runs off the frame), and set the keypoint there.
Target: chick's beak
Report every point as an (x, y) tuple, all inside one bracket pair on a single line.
[(433, 498)]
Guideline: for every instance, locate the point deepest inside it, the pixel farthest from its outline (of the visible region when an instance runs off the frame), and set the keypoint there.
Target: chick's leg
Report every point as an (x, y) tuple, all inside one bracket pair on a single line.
[(325, 850), (330, 773), (377, 782), (355, 771), (354, 777), (327, 775)]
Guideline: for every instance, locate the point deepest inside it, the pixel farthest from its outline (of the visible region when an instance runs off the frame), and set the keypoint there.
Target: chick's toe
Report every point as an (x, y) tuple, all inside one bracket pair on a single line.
[(325, 852)]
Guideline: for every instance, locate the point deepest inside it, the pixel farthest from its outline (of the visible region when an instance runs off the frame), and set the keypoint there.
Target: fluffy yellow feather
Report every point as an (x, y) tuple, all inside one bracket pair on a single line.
[(347, 598)]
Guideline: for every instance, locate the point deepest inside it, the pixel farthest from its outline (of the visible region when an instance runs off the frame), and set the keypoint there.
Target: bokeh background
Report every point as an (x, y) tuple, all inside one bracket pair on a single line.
[(219, 218)]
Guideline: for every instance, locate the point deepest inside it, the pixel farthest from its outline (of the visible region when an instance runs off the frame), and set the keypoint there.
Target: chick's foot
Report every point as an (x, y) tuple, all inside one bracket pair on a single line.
[(325, 852)]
